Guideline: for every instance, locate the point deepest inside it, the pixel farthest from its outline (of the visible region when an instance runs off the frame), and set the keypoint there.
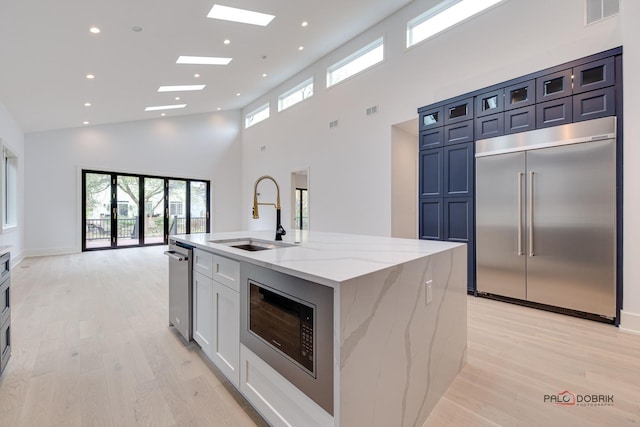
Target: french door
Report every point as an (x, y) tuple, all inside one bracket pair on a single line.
[(125, 210)]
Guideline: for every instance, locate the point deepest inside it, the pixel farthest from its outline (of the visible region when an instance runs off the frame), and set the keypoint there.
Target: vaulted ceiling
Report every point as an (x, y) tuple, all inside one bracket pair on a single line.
[(47, 50)]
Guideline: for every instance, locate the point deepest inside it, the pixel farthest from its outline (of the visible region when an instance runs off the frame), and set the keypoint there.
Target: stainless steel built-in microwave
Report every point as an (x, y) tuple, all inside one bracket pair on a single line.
[(284, 322), (288, 323)]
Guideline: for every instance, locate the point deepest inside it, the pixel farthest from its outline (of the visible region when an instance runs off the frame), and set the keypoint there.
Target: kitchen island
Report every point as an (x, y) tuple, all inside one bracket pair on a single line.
[(398, 327)]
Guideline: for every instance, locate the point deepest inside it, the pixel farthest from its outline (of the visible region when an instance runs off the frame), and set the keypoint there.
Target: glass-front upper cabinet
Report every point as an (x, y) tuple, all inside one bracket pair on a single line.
[(554, 86), (490, 103), (520, 95), (431, 118), (594, 75), (458, 111)]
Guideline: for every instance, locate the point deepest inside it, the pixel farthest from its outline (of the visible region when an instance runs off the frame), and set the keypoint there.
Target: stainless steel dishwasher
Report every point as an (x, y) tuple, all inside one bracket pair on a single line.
[(180, 289)]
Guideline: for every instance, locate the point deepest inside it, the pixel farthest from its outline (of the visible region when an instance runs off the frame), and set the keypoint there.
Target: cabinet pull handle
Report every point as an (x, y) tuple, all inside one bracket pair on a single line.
[(520, 248), (531, 252)]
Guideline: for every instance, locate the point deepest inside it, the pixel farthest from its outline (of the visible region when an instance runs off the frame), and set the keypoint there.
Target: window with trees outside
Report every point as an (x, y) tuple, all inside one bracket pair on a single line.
[(124, 210)]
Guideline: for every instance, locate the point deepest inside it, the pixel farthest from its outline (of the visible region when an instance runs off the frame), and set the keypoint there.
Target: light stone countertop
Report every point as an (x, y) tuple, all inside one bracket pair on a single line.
[(327, 258)]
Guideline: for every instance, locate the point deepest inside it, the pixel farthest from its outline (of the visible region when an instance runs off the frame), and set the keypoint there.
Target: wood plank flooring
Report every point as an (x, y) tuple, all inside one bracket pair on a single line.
[(91, 347)]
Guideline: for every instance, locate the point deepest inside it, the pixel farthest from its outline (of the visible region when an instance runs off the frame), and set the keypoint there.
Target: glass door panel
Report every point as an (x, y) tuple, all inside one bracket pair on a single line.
[(302, 209), (154, 218), (198, 205), (127, 210), (97, 210), (177, 206)]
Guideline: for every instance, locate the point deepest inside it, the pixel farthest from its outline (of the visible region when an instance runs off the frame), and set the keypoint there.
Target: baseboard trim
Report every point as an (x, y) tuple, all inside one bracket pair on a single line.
[(16, 259), (49, 252), (630, 322)]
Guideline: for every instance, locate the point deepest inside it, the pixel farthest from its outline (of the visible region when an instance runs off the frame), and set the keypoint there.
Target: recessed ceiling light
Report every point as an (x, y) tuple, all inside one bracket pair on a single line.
[(300, 47), (227, 41), (87, 104), (177, 98), (91, 76), (203, 60), (238, 94), (180, 88), (94, 30), (304, 23), (196, 75), (85, 123), (239, 15), (163, 114), (219, 108), (264, 74), (165, 107)]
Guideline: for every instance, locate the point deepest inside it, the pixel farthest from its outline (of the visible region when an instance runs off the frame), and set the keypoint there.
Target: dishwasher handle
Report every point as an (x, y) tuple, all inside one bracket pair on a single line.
[(176, 255)]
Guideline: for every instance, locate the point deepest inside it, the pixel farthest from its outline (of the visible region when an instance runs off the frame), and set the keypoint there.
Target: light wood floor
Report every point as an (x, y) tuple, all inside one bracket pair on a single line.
[(91, 347)]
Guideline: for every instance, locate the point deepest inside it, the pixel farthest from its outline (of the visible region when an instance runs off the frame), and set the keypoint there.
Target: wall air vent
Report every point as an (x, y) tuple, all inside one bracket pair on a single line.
[(597, 10), (372, 110), (333, 124)]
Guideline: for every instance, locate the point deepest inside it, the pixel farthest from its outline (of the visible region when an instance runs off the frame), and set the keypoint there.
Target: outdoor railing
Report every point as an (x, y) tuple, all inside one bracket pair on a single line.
[(100, 228)]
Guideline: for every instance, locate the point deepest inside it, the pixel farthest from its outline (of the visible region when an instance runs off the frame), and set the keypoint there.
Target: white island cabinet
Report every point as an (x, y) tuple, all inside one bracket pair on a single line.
[(216, 304), (397, 324)]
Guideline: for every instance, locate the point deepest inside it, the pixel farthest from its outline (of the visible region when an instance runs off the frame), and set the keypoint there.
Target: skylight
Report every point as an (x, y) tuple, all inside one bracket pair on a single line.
[(180, 88), (203, 60), (165, 107), (447, 14), (243, 16), (356, 62)]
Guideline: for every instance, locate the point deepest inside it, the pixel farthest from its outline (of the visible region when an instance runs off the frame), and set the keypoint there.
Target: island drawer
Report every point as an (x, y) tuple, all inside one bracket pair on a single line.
[(203, 262), (227, 272)]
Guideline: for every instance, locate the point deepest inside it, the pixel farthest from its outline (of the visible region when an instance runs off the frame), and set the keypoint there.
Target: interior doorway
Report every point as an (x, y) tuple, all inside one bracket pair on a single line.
[(404, 179), (300, 198)]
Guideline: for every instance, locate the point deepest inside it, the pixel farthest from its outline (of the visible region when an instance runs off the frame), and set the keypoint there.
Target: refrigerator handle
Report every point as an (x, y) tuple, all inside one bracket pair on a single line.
[(531, 253), (520, 248)]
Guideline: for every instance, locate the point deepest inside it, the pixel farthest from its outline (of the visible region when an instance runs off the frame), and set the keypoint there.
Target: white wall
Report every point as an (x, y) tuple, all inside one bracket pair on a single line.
[(12, 136), (204, 146), (350, 165), (630, 317)]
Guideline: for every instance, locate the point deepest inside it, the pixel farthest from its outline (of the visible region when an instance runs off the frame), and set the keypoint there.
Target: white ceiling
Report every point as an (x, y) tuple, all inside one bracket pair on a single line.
[(46, 51)]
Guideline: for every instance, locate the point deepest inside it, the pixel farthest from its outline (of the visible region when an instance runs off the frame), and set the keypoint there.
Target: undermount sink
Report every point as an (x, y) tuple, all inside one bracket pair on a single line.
[(250, 244)]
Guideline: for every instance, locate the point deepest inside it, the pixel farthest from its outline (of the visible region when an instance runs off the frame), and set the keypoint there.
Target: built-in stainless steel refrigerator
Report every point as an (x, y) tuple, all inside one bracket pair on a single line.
[(546, 216)]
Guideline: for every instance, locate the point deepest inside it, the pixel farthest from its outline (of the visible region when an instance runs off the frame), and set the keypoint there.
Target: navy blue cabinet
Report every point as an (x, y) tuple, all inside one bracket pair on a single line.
[(594, 75), (520, 95), (431, 117), (458, 133), (554, 86), (431, 219), (458, 111), (431, 166), (459, 226), (431, 138), (554, 113), (490, 126), (490, 103), (520, 120), (594, 104), (458, 170)]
